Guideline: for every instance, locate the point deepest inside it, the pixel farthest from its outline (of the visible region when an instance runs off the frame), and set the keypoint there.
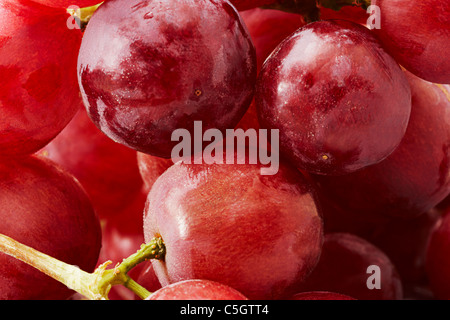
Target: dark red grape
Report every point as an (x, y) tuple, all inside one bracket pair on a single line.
[(151, 168), (438, 259), (148, 68), (405, 242), (268, 28), (39, 93), (68, 3), (415, 177), (250, 4), (444, 204), (261, 235), (321, 295), (123, 236), (349, 13), (197, 290), (107, 170), (343, 268), (340, 102), (417, 35), (45, 208), (147, 278)]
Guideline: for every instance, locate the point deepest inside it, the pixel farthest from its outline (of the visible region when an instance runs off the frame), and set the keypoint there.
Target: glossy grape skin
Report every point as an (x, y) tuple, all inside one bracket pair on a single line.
[(417, 35), (108, 171), (68, 3), (343, 269), (438, 259), (268, 28), (39, 93), (415, 177), (340, 102), (151, 168), (320, 295), (180, 62), (261, 235), (197, 290), (44, 207)]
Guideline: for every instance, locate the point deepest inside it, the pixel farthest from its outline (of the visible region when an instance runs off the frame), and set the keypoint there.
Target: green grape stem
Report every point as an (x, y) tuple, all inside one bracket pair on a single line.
[(93, 286)]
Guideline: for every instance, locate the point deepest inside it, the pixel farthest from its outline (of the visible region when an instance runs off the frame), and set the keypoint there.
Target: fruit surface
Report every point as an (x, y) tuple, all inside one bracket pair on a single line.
[(340, 101), (250, 4), (122, 236), (148, 279), (107, 170), (417, 35), (146, 69), (343, 268), (350, 13), (151, 168), (68, 3), (261, 235), (197, 290), (268, 28), (44, 207), (415, 177), (39, 93), (320, 295), (438, 259)]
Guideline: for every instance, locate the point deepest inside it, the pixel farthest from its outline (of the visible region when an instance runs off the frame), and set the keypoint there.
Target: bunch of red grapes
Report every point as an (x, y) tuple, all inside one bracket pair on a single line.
[(359, 208)]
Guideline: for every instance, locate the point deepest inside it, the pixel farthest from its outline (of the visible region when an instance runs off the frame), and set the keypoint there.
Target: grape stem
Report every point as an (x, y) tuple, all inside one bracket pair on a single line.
[(93, 286)]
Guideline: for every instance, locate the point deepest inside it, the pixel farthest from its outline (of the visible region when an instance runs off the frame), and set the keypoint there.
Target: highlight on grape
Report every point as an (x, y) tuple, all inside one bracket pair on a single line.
[(222, 149)]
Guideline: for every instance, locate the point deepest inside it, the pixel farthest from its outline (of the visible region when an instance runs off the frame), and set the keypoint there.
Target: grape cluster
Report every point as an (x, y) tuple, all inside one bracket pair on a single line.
[(357, 210)]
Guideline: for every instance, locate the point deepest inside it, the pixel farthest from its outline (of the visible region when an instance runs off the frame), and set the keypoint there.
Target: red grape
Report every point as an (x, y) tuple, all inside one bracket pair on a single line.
[(268, 28), (444, 204), (343, 268), (44, 207), (438, 259), (148, 68), (122, 237), (107, 170), (68, 3), (417, 35), (320, 295), (405, 242), (415, 177), (250, 4), (350, 13), (261, 235), (39, 93), (197, 290), (151, 168), (148, 279), (340, 102)]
